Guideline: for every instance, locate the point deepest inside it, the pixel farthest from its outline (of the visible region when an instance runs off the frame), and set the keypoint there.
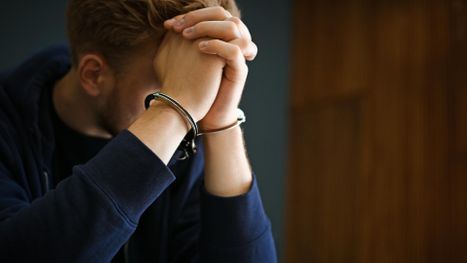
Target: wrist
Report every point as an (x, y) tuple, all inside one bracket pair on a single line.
[(161, 129), (160, 112), (225, 125), (218, 122), (228, 172)]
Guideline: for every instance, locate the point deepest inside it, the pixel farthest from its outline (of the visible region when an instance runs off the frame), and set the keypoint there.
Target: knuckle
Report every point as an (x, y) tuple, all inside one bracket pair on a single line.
[(233, 29), (244, 43), (189, 17), (220, 10), (254, 46), (237, 51), (235, 20), (254, 52), (199, 28), (227, 13), (216, 43)]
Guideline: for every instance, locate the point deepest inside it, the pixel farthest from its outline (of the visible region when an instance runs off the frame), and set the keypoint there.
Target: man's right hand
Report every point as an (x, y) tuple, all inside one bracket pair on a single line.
[(187, 75)]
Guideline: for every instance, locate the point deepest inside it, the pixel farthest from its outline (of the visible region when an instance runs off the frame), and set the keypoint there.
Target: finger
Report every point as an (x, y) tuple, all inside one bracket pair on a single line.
[(241, 26), (251, 52), (248, 48), (231, 53), (224, 30), (168, 24), (215, 13)]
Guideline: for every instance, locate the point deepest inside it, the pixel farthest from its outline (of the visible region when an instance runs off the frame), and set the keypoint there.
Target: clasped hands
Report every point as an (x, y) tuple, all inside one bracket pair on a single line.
[(202, 64)]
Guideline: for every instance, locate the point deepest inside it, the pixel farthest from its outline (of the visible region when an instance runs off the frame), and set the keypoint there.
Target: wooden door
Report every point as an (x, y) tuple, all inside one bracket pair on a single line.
[(378, 132)]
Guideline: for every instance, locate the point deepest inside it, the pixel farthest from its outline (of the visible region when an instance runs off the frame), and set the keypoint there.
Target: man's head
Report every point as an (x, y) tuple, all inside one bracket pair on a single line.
[(113, 43)]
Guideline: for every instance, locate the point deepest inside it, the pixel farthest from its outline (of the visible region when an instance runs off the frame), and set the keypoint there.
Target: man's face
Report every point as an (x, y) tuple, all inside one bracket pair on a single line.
[(124, 102)]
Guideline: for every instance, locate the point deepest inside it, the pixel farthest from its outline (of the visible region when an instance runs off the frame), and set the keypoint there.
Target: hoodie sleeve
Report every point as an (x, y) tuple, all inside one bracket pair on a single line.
[(90, 215), (222, 229), (236, 229)]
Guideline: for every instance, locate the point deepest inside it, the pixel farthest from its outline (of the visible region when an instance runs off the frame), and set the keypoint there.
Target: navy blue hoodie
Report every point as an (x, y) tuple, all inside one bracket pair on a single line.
[(123, 197)]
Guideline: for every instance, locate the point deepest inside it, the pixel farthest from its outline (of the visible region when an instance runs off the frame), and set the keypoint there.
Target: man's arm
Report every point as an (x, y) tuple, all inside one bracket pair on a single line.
[(234, 226), (224, 36), (210, 228), (227, 169), (90, 215), (161, 129)]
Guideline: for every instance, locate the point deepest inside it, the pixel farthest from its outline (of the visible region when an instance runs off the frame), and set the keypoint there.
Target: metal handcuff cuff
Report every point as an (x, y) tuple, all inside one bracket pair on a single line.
[(188, 145)]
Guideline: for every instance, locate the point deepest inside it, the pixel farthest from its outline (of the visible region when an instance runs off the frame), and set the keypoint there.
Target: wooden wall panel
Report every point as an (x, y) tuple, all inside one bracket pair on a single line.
[(378, 132), (328, 133)]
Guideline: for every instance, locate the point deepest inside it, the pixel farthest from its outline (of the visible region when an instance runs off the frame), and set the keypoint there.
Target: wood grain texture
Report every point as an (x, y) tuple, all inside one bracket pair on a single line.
[(378, 132)]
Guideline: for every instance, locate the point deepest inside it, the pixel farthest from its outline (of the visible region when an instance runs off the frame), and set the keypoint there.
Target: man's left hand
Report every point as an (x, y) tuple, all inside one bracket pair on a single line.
[(225, 36)]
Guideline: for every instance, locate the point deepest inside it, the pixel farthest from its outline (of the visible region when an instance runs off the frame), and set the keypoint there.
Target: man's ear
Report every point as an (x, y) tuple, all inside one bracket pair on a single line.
[(91, 72)]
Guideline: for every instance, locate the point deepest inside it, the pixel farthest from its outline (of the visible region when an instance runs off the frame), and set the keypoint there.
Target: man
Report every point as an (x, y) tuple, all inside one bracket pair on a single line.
[(88, 175)]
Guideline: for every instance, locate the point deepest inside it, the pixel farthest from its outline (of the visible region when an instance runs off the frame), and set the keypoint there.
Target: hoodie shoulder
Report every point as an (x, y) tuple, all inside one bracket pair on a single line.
[(32, 65), (22, 86)]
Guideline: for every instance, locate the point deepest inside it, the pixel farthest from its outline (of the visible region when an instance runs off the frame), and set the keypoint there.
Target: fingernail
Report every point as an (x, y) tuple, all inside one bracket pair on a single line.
[(188, 31), (203, 44), (180, 22), (170, 21)]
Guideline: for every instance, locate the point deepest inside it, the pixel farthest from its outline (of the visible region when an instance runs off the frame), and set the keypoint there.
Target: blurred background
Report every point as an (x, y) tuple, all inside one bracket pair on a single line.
[(357, 122)]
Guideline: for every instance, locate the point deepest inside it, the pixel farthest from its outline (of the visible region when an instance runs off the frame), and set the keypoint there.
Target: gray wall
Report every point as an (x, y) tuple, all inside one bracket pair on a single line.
[(265, 101), (27, 26)]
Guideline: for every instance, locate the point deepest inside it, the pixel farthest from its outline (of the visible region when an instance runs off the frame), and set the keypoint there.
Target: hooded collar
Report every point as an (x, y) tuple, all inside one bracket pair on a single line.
[(28, 89)]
